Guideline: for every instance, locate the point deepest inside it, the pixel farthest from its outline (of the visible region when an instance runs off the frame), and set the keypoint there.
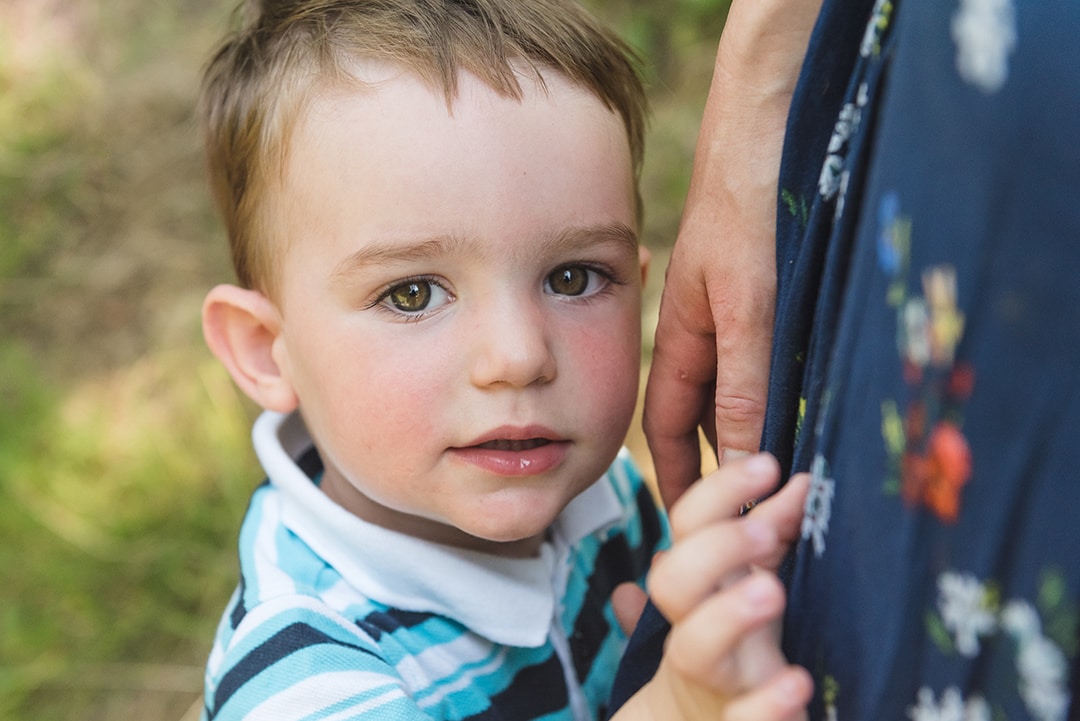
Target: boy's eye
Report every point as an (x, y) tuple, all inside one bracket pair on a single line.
[(569, 280), (410, 297), (415, 296)]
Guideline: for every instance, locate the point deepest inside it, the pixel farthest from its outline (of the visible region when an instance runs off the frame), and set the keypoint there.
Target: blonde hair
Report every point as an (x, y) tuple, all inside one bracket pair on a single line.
[(256, 85)]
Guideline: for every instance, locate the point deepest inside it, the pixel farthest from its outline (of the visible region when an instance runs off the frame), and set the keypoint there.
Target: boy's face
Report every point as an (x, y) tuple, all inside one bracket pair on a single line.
[(460, 303)]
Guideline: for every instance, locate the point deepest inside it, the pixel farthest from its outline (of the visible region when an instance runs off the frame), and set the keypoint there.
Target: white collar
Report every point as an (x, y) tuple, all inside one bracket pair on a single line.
[(510, 601)]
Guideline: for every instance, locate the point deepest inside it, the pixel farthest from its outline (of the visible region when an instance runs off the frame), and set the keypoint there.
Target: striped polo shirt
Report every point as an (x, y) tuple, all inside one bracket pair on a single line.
[(335, 618)]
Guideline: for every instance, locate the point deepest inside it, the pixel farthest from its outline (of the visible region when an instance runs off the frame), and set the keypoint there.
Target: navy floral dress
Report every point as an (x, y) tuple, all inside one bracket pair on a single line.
[(929, 327), (926, 365)]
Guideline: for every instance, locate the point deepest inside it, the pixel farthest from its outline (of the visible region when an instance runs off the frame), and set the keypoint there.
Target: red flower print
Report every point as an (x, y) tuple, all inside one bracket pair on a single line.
[(937, 477)]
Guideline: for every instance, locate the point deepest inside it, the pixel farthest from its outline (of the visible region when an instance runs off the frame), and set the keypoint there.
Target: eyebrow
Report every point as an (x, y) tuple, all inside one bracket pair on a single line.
[(565, 241), (393, 252), (588, 236)]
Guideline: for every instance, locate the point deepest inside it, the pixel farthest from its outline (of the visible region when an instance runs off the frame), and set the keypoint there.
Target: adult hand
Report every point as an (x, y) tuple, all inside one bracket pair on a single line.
[(710, 364)]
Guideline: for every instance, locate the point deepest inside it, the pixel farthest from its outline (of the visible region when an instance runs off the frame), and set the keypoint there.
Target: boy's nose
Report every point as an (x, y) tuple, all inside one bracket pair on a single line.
[(511, 347)]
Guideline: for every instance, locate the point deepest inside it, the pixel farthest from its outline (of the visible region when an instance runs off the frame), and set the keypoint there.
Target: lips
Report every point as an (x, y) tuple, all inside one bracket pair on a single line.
[(506, 444), (515, 451)]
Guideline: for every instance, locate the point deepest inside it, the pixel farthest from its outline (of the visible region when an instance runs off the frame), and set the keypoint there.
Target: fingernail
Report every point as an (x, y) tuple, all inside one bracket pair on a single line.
[(790, 686), (760, 465), (758, 591)]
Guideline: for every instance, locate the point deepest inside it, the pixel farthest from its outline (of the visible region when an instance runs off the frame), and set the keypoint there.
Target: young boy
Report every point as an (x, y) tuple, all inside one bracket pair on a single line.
[(433, 215)]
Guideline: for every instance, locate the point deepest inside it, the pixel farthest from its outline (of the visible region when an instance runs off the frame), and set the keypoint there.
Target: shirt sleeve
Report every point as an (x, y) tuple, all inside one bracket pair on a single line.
[(294, 658)]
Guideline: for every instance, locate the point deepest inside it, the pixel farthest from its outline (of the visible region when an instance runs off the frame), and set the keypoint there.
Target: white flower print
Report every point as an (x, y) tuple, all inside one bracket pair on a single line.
[(818, 508), (953, 707), (879, 21), (1040, 663), (832, 171), (1021, 620), (846, 124), (914, 332), (841, 194), (985, 35), (829, 180), (962, 602)]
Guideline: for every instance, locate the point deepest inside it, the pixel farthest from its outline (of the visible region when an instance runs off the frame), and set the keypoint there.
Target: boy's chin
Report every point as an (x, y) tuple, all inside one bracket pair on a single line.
[(516, 542)]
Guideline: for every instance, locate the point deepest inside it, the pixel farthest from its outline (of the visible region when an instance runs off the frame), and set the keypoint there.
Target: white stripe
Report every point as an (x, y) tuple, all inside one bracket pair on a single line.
[(328, 689), (341, 595), (271, 612), (446, 658), (467, 678), (269, 577), (351, 713)]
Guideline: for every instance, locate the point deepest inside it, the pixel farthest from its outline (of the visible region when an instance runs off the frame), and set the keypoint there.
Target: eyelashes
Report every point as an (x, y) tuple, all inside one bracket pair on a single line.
[(416, 297)]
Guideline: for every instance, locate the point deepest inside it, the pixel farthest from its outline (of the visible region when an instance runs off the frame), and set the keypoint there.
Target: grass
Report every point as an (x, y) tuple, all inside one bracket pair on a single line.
[(125, 461), (114, 550)]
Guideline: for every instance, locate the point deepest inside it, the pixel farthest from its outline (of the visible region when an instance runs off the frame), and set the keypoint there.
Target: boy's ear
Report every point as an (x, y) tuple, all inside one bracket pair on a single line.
[(645, 256), (242, 328)]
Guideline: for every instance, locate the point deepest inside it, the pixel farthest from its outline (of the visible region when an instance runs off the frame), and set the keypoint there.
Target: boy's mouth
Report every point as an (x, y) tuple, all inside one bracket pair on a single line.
[(515, 451), (506, 444)]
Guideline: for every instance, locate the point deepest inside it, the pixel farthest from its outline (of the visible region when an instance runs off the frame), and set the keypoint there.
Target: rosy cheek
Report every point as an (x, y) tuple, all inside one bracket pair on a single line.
[(405, 393), (612, 364)]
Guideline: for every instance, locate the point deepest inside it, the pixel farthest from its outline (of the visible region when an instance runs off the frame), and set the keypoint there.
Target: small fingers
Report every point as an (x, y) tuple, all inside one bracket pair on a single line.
[(710, 645), (695, 567), (783, 697), (783, 511), (627, 603), (723, 492)]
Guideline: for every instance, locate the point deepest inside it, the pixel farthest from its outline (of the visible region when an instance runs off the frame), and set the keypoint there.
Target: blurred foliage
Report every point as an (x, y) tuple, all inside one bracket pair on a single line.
[(125, 460)]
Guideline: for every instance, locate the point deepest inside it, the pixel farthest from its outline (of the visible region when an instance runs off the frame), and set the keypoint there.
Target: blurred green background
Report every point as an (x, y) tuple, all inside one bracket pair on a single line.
[(125, 464)]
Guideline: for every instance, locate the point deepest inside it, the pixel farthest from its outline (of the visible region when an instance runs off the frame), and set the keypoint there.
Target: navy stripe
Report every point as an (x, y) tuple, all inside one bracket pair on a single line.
[(536, 691), (239, 610), (288, 640), (615, 563), (591, 628), (651, 529), (391, 620), (376, 623)]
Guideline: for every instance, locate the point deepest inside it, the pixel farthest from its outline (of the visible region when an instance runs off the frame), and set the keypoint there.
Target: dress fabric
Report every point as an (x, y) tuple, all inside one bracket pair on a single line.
[(924, 370), (926, 349), (336, 618)]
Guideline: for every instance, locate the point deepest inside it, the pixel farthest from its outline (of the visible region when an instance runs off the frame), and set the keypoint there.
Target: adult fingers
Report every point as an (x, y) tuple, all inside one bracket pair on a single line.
[(742, 301), (681, 376)]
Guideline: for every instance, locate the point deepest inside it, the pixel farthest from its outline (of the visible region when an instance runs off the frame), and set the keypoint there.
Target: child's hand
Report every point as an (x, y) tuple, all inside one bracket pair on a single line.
[(718, 589)]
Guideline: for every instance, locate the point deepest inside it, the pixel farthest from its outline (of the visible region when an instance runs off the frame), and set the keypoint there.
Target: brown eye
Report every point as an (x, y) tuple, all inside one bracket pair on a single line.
[(410, 297), (569, 280), (414, 298)]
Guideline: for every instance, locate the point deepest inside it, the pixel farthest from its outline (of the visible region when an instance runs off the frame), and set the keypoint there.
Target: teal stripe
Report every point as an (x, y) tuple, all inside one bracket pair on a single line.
[(306, 664)]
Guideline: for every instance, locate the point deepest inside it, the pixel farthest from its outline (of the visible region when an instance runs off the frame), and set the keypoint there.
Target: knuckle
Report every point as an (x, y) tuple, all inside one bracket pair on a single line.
[(738, 410)]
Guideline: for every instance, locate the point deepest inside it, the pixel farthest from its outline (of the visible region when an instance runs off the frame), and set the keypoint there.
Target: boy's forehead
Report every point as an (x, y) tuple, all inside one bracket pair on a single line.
[(394, 117), (389, 160)]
